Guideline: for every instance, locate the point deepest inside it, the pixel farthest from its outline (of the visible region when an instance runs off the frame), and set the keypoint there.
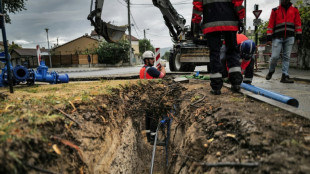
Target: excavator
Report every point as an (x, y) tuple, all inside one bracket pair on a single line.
[(189, 48)]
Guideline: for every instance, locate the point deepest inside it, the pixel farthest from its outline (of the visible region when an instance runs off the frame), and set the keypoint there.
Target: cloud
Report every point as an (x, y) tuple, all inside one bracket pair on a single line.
[(67, 20)]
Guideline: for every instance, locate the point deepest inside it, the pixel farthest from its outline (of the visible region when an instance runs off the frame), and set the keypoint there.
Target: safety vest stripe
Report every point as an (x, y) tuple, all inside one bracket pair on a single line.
[(215, 75), (299, 32), (283, 29), (147, 131), (153, 133), (220, 23), (145, 72), (195, 11), (213, 1), (297, 27), (235, 69), (247, 79)]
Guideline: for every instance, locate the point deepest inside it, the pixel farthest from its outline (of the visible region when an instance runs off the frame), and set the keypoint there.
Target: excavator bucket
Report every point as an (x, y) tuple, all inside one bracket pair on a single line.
[(112, 33)]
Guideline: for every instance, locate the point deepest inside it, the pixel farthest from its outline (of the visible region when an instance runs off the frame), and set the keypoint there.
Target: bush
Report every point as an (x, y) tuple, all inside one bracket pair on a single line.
[(112, 53)]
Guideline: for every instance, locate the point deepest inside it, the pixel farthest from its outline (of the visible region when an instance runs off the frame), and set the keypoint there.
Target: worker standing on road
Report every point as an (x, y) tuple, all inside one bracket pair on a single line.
[(148, 71), (284, 23), (247, 49), (221, 17)]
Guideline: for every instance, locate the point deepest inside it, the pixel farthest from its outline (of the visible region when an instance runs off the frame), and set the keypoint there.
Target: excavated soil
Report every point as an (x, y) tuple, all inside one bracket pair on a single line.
[(104, 133)]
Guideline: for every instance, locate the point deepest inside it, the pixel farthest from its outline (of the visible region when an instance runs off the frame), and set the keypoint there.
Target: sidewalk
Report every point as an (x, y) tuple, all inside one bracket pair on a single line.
[(296, 74)]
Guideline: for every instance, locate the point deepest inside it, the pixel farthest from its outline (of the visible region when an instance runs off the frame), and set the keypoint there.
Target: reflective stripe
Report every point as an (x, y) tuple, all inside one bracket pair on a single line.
[(279, 25), (220, 23), (297, 27), (289, 23), (145, 72), (147, 131), (268, 34), (269, 29), (153, 133), (197, 12), (299, 32), (213, 1), (248, 79), (235, 69), (215, 75), (283, 29)]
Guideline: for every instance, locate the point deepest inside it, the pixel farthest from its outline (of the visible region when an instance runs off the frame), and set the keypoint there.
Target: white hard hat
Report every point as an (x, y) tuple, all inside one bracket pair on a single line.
[(148, 55)]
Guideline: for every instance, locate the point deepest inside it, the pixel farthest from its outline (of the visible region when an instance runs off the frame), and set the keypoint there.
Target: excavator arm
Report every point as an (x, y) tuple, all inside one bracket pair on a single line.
[(173, 20), (111, 33)]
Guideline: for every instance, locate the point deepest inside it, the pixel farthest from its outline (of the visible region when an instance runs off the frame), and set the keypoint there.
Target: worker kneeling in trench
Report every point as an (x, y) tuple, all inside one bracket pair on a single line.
[(150, 72)]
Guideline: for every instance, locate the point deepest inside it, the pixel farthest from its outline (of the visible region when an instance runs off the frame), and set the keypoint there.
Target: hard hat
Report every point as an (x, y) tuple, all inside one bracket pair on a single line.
[(247, 49), (148, 55)]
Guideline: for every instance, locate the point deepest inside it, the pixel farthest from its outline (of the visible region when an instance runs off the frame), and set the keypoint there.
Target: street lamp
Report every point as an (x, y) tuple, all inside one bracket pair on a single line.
[(48, 47), (144, 32)]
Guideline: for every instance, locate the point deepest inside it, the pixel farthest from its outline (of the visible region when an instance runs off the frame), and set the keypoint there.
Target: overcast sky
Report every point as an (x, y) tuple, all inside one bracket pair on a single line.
[(66, 20)]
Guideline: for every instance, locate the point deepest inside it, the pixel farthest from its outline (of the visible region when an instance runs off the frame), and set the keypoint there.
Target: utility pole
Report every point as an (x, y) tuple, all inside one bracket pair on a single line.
[(245, 13), (144, 32), (129, 30), (48, 47), (6, 51)]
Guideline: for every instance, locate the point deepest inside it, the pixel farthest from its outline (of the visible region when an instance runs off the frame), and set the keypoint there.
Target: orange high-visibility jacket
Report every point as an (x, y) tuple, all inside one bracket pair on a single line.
[(218, 15), (284, 23)]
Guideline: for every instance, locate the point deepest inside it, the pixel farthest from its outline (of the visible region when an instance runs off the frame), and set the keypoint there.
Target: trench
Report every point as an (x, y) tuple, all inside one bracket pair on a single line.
[(118, 144), (231, 129)]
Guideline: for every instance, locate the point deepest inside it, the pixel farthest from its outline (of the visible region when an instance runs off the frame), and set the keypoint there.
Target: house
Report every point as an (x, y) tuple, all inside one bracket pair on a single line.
[(27, 56), (82, 45)]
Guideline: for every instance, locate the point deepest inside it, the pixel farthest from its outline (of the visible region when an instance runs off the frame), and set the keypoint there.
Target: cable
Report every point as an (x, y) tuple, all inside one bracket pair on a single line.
[(121, 3)]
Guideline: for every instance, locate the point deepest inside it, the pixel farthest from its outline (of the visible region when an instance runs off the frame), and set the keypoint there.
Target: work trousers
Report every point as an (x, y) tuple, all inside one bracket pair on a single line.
[(232, 57)]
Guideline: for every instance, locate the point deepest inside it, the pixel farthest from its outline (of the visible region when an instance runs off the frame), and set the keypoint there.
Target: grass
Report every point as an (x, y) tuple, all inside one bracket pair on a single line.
[(28, 107)]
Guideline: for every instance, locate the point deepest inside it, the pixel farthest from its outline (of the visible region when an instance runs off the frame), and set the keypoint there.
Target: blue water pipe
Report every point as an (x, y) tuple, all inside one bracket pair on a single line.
[(41, 75), (269, 94)]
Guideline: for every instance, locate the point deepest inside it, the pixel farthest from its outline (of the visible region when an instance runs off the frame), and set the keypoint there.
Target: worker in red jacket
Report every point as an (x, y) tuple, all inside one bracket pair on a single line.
[(221, 17), (247, 49), (284, 23), (148, 71)]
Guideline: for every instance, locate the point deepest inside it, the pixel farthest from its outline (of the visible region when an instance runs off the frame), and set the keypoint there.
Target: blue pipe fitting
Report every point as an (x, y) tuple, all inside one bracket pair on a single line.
[(20, 73), (42, 75), (62, 78), (269, 94)]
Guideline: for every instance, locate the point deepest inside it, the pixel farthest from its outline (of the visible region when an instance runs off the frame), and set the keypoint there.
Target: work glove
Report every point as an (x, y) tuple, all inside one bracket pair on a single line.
[(240, 27)]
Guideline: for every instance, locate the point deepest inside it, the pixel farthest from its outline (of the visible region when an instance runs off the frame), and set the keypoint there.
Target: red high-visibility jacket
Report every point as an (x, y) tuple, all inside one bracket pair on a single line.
[(284, 23), (218, 15)]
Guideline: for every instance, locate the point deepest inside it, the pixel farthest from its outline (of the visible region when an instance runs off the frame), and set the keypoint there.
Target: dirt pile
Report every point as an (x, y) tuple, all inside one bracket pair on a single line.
[(103, 132)]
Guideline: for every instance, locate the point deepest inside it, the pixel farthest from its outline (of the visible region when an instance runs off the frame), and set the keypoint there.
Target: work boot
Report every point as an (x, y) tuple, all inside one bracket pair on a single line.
[(158, 142), (286, 79), (269, 75), (235, 88), (215, 92)]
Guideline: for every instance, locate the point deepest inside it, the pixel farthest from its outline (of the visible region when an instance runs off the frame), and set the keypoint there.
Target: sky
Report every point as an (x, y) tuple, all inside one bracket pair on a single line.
[(67, 20)]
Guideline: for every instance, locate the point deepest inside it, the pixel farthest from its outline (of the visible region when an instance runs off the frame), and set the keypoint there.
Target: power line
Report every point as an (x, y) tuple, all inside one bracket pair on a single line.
[(121, 3)]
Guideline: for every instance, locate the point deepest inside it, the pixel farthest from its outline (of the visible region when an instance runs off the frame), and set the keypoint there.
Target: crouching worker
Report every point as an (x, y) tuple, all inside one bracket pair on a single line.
[(148, 71), (247, 49)]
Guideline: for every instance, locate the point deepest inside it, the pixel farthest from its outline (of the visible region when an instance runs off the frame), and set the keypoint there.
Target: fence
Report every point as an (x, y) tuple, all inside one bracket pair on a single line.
[(70, 60)]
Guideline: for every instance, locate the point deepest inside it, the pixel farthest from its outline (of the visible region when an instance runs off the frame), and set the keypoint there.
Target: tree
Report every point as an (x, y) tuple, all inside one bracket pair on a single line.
[(14, 46), (14, 6), (112, 53), (145, 45), (304, 51), (166, 55)]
